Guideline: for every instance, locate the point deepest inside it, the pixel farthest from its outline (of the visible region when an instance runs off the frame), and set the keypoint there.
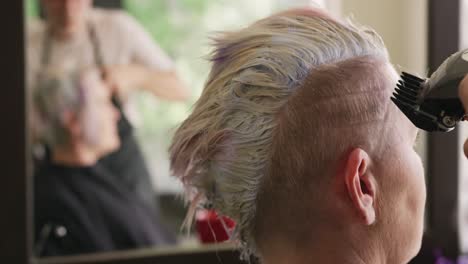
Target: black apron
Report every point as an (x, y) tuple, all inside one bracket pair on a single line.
[(127, 162), (86, 210)]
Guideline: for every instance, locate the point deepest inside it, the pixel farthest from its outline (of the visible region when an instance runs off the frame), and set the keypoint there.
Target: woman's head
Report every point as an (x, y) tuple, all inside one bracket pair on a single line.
[(76, 108), (295, 124), (342, 159)]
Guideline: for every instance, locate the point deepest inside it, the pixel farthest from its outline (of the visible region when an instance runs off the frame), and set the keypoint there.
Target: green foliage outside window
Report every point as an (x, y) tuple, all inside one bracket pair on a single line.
[(31, 8)]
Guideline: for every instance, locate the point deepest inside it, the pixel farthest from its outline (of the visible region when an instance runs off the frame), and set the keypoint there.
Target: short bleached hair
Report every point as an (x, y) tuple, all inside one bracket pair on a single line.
[(223, 151), (56, 92)]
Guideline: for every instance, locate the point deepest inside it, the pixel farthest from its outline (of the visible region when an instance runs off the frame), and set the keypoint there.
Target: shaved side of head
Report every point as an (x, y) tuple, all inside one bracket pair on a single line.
[(339, 106)]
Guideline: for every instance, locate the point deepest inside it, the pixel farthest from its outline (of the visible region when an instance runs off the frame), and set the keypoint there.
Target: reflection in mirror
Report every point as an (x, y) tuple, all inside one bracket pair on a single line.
[(107, 88), (93, 189)]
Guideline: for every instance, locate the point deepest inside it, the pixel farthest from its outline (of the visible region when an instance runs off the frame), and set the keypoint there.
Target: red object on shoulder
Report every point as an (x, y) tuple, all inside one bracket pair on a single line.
[(210, 227)]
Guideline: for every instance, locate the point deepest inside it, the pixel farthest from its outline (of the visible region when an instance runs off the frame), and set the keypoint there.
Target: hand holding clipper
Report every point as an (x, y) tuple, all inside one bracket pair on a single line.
[(434, 104), (464, 98)]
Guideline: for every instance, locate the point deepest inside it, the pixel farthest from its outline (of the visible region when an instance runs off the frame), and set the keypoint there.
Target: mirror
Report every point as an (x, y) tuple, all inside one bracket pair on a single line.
[(109, 81)]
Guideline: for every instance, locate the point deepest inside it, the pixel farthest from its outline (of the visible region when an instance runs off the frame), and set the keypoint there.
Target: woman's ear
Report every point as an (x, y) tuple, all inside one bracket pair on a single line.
[(360, 184), (72, 124)]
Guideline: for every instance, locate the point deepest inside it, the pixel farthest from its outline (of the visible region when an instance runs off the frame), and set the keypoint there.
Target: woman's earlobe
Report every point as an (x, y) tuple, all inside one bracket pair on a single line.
[(360, 185), (71, 123)]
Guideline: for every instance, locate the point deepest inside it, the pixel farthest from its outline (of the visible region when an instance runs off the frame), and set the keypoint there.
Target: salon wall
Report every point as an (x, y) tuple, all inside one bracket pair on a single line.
[(401, 23)]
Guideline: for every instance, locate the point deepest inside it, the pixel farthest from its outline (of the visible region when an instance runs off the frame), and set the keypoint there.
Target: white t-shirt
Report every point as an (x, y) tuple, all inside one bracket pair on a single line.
[(120, 38)]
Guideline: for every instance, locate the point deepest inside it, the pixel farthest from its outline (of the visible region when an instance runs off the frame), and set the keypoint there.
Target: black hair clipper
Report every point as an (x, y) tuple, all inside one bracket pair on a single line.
[(433, 104)]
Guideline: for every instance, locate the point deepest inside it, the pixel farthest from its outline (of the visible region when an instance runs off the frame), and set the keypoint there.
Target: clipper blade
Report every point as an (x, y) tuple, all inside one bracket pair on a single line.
[(409, 89), (408, 96)]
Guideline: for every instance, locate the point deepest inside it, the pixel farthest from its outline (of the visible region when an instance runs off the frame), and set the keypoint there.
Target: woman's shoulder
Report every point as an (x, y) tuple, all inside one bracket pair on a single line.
[(55, 187)]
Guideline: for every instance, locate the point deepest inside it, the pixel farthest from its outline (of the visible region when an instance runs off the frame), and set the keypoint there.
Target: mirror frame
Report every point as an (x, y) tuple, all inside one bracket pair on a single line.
[(15, 192)]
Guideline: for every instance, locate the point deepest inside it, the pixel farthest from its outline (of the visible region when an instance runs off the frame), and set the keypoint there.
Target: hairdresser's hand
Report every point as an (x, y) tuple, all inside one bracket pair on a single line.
[(164, 84), (463, 89), (125, 78)]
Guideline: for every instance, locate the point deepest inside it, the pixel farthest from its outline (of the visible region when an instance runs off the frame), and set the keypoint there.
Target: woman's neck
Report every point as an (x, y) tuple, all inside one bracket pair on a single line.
[(74, 155), (329, 248), (59, 33)]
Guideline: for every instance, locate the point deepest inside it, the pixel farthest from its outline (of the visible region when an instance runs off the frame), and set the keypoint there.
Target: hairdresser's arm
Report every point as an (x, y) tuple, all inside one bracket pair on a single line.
[(164, 84), (150, 68), (464, 98)]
